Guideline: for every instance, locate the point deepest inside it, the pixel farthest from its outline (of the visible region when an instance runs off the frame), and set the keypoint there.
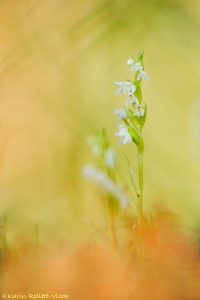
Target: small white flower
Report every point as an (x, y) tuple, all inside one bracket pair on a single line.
[(137, 67), (131, 100), (125, 87), (106, 183), (142, 75), (88, 171), (139, 110), (131, 90), (124, 134), (121, 114), (110, 158), (130, 61)]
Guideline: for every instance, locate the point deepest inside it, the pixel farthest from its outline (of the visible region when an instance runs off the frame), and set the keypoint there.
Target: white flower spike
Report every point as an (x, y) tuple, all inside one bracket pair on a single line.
[(133, 115), (131, 131)]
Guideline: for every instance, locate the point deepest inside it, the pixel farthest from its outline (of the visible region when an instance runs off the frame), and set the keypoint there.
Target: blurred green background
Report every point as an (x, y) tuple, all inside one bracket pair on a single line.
[(58, 62)]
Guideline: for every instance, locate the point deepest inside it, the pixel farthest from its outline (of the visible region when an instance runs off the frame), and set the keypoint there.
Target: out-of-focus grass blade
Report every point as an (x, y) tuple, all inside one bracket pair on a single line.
[(132, 176), (95, 12)]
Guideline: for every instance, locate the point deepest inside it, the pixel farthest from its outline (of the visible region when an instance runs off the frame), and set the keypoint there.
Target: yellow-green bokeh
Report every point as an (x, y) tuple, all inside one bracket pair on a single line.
[(58, 62)]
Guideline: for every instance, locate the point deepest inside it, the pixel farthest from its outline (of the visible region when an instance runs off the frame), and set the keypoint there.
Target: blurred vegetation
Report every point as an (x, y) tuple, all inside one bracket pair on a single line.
[(58, 61)]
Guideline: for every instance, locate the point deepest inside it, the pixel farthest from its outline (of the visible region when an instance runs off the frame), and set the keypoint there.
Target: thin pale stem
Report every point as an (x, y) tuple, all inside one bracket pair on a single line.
[(140, 150), (112, 212)]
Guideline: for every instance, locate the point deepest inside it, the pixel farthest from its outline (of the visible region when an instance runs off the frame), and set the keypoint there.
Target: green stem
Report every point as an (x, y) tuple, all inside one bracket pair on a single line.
[(140, 151)]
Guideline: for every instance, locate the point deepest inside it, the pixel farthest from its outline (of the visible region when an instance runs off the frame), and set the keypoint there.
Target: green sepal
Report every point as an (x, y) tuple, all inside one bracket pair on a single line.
[(134, 135), (138, 92), (130, 115), (140, 57)]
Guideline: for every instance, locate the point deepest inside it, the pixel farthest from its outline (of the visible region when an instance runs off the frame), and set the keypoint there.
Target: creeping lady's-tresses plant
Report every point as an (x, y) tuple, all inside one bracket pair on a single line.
[(132, 117)]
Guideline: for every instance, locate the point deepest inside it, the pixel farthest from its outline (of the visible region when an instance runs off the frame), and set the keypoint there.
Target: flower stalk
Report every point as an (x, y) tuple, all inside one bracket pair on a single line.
[(140, 151), (132, 119)]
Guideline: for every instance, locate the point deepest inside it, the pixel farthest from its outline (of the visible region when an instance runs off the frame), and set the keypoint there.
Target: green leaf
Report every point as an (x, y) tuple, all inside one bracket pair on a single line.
[(134, 135)]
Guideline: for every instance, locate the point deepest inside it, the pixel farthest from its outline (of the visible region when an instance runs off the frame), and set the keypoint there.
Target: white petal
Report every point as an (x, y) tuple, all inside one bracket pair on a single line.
[(132, 90), (130, 61), (142, 75), (118, 83), (124, 134), (125, 87), (121, 113), (121, 132), (129, 100), (106, 183), (137, 67), (110, 157), (127, 139)]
